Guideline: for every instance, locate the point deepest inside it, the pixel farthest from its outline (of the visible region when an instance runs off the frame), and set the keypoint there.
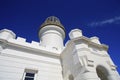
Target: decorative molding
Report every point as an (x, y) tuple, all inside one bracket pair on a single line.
[(31, 70), (30, 59), (51, 32), (30, 48), (90, 61), (89, 42), (92, 52), (87, 61), (112, 66)]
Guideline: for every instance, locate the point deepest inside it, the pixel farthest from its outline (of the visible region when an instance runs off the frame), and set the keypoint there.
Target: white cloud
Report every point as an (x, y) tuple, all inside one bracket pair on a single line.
[(115, 20)]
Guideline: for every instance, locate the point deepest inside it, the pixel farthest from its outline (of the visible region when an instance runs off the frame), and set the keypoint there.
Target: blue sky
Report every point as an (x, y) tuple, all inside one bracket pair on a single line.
[(94, 17)]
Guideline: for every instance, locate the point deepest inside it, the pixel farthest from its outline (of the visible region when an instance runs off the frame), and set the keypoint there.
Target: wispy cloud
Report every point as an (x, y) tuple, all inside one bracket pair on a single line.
[(115, 20)]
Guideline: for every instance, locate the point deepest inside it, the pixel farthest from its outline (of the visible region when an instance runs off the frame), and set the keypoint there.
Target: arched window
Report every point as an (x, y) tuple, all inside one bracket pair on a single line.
[(102, 73), (71, 77)]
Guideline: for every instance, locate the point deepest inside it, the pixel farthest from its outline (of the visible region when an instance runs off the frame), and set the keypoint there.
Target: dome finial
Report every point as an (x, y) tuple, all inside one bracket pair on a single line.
[(52, 20)]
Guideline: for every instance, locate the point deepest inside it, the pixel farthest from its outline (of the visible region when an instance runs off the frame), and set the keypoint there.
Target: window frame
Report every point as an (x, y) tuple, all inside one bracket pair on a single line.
[(32, 71)]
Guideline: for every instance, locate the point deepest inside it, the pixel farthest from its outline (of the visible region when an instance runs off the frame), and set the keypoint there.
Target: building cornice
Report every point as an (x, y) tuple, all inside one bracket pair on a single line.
[(39, 51), (89, 42)]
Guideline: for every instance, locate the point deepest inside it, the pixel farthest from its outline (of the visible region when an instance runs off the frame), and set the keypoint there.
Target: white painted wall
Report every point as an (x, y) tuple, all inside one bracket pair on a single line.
[(14, 62), (16, 55), (82, 56)]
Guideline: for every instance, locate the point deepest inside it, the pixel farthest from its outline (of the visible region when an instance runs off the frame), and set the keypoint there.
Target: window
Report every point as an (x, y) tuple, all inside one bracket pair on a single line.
[(102, 73), (30, 74), (71, 77)]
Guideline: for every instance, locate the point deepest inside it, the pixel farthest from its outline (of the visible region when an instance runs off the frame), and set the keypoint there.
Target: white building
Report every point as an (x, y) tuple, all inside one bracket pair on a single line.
[(81, 58)]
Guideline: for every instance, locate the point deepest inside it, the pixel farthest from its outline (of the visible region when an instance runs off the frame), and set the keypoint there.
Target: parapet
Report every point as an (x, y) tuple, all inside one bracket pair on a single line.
[(75, 33), (9, 37), (6, 34), (20, 39), (95, 40)]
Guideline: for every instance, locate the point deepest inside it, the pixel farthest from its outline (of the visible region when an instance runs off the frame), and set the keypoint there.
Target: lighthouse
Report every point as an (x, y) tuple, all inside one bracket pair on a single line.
[(52, 33)]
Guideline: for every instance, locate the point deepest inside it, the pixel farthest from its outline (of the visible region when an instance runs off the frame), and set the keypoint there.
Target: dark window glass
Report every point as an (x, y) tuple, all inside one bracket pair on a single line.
[(29, 78), (30, 74)]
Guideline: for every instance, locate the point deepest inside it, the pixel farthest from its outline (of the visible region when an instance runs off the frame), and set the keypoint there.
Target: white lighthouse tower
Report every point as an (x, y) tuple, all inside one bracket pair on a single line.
[(52, 33)]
